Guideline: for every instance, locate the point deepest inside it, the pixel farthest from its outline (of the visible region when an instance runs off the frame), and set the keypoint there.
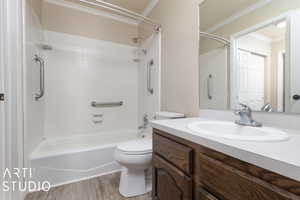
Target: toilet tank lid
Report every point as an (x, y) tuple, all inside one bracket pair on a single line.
[(170, 115)]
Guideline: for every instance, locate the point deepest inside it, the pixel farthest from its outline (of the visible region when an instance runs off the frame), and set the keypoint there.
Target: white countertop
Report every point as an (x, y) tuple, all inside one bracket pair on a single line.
[(280, 157)]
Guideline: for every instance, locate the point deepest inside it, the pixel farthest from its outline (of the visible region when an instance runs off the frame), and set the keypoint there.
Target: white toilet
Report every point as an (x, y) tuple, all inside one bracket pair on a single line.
[(135, 158)]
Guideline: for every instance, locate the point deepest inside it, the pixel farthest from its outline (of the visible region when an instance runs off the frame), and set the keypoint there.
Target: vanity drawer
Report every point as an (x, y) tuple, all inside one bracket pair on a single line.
[(228, 183), (177, 154)]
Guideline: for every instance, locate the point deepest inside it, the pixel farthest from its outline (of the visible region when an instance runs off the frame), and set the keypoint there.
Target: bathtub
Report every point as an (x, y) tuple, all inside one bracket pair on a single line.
[(70, 159)]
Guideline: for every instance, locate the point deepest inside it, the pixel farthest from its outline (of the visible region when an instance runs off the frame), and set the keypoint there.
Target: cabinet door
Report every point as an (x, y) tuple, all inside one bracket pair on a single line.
[(170, 183), (205, 195)]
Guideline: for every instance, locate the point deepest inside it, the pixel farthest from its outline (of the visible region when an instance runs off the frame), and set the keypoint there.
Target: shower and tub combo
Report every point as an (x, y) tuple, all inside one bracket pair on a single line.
[(85, 95), (81, 133)]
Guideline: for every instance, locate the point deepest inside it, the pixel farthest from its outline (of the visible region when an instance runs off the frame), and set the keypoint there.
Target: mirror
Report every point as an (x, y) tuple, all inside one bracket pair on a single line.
[(248, 54)]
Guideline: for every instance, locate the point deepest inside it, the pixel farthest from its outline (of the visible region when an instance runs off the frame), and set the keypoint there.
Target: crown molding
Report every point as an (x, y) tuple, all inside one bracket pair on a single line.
[(239, 14), (201, 2), (92, 11), (150, 7), (261, 37)]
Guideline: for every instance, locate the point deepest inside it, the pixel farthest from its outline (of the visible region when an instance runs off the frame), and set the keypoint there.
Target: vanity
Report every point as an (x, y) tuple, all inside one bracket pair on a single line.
[(192, 166), (250, 62)]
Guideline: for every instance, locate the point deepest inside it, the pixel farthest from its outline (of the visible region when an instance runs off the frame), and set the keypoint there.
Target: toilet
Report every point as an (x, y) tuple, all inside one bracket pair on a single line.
[(135, 158)]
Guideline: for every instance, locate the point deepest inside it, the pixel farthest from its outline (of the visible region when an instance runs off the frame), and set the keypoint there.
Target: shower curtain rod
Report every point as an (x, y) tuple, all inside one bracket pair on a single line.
[(122, 11), (215, 37)]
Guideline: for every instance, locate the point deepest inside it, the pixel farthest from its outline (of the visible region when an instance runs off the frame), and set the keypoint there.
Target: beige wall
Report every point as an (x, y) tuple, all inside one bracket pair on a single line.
[(72, 21), (180, 71), (36, 5)]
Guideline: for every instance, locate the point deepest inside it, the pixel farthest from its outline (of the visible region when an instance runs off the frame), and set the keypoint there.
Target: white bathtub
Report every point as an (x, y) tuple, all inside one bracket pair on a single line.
[(71, 159)]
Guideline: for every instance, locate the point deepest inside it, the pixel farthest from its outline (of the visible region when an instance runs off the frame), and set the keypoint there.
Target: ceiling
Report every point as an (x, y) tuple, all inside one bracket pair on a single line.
[(213, 12), (134, 5)]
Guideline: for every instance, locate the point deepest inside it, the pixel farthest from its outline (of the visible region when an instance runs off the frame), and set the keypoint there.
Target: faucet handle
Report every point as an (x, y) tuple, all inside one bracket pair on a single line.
[(245, 107), (141, 127), (237, 112)]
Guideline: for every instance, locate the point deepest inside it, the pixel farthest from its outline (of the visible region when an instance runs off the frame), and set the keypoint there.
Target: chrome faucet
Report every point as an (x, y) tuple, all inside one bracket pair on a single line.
[(246, 117)]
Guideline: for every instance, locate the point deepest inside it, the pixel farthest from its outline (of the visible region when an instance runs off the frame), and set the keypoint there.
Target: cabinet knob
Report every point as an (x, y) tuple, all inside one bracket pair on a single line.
[(296, 97)]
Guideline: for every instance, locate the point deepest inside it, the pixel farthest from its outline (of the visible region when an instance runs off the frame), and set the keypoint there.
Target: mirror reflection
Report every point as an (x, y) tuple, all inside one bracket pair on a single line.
[(248, 55)]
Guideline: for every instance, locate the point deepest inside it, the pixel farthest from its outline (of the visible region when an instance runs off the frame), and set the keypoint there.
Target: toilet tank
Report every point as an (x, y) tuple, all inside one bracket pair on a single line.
[(168, 115)]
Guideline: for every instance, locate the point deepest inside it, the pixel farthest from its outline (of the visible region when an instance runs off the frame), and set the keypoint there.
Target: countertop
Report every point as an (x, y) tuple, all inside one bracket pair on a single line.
[(280, 157)]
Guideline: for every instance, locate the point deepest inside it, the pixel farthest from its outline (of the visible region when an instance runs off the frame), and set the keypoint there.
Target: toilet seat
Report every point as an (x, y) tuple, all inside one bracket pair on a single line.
[(136, 147)]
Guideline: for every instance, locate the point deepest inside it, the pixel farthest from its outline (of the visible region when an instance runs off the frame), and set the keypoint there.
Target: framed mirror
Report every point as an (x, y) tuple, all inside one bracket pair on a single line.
[(249, 53)]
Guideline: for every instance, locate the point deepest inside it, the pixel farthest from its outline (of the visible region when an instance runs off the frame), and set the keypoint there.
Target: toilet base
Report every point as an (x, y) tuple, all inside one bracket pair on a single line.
[(134, 182)]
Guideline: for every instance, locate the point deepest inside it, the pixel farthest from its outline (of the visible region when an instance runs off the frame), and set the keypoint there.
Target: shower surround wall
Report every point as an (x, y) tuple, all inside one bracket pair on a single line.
[(149, 103), (34, 110), (81, 70)]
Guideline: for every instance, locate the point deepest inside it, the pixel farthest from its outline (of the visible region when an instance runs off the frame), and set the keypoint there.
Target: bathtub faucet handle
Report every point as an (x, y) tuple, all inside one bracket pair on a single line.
[(143, 127)]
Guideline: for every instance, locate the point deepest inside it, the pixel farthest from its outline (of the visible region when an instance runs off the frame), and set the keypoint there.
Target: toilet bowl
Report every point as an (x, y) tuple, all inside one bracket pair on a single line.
[(135, 158)]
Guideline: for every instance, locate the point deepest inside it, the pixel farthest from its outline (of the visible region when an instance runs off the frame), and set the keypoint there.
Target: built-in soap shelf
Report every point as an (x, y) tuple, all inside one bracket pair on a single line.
[(98, 118)]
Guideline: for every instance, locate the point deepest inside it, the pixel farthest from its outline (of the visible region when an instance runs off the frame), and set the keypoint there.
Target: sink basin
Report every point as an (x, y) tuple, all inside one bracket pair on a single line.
[(230, 130)]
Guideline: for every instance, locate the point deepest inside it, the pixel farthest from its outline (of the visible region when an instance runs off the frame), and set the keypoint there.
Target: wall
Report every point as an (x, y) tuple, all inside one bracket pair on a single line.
[(34, 110), (180, 44), (72, 21), (81, 70), (36, 6)]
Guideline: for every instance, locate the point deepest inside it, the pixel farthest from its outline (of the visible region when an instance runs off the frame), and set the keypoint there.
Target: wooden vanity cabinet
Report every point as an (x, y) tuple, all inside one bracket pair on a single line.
[(170, 182), (183, 170), (172, 164)]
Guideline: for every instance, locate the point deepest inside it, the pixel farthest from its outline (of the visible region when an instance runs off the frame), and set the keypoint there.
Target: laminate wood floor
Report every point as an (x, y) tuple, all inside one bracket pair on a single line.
[(102, 188)]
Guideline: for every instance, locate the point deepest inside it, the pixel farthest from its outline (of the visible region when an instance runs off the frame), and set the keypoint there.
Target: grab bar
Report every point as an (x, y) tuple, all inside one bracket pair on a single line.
[(209, 86), (41, 93), (106, 104), (149, 87)]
